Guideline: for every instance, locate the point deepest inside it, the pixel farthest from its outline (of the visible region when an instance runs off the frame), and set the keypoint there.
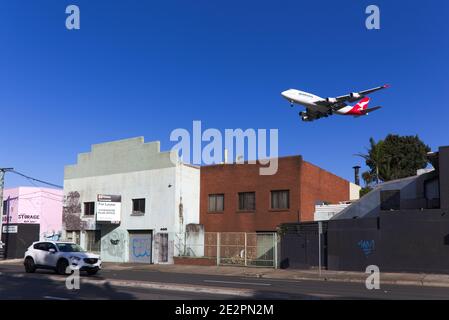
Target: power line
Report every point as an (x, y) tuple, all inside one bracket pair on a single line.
[(37, 180)]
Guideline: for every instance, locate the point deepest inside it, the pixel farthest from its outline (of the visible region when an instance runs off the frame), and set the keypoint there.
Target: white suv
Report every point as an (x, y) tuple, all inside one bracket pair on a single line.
[(58, 256)]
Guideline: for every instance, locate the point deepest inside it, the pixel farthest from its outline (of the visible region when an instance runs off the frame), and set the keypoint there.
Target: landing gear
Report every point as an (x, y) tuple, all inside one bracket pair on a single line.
[(304, 116)]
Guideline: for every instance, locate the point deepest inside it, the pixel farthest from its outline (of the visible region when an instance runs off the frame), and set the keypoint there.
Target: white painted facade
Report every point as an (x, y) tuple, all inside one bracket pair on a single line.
[(324, 212), (354, 191), (134, 170)]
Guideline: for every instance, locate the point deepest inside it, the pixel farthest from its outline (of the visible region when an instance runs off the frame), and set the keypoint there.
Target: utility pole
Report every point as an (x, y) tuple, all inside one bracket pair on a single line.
[(2, 185)]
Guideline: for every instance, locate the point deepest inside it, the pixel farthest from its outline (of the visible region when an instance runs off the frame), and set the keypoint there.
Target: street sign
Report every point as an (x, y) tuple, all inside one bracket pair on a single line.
[(9, 229)]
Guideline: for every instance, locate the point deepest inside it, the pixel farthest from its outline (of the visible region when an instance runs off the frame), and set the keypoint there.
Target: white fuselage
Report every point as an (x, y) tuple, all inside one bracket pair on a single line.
[(301, 97), (310, 100)]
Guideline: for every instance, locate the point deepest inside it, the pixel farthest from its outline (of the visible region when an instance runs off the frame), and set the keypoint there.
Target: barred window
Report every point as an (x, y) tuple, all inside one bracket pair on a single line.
[(89, 208), (138, 206)]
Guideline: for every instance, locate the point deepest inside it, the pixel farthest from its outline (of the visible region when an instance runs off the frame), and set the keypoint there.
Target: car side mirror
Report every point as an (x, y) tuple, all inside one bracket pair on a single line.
[(51, 250)]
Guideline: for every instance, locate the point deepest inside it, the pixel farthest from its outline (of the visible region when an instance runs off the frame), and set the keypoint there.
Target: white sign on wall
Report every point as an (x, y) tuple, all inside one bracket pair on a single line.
[(9, 229), (109, 208)]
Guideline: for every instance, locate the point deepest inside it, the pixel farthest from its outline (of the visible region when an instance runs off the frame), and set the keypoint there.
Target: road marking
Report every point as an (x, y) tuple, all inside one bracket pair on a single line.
[(280, 280), (55, 298), (238, 282)]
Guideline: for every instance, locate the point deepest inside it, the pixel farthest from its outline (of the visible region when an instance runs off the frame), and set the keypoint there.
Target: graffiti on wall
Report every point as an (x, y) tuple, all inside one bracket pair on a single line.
[(52, 235), (114, 243), (71, 214), (367, 246), (141, 247)]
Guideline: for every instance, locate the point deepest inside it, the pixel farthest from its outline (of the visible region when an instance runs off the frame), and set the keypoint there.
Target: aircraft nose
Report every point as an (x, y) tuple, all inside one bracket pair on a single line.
[(285, 94)]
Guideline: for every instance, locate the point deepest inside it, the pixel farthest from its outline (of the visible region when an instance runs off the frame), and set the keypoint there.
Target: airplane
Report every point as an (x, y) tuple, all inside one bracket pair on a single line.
[(317, 107)]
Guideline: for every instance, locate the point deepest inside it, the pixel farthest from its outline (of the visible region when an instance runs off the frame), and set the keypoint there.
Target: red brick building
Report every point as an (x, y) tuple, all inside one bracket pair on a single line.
[(235, 197)]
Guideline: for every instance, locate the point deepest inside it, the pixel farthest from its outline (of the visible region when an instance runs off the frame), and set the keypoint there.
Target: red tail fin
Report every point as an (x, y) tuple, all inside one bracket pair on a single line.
[(362, 104)]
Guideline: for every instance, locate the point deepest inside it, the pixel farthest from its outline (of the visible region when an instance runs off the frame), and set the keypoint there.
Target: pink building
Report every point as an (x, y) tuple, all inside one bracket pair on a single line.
[(30, 214)]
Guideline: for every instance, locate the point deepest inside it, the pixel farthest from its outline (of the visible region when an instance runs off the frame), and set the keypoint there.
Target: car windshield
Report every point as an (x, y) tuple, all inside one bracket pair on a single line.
[(70, 247)]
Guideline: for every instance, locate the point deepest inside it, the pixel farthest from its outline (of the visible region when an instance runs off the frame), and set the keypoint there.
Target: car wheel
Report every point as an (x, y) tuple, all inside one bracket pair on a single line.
[(91, 272), (61, 267), (30, 266)]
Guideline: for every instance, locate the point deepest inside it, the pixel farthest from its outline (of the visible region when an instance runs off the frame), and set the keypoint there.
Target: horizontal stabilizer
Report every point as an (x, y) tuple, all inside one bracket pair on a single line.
[(366, 111)]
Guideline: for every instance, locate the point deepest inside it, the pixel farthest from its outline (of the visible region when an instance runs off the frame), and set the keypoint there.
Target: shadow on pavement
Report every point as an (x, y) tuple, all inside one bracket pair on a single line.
[(31, 287)]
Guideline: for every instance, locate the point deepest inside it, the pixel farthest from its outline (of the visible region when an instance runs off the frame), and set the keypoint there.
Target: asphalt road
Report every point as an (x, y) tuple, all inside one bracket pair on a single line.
[(16, 284)]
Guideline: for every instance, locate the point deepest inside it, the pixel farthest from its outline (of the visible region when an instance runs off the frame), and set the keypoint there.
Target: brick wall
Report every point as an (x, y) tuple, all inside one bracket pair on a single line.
[(306, 183), (317, 184), (230, 179)]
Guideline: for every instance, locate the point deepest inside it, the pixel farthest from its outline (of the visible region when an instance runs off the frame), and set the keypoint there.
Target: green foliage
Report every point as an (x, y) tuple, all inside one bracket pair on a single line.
[(395, 157), (365, 190)]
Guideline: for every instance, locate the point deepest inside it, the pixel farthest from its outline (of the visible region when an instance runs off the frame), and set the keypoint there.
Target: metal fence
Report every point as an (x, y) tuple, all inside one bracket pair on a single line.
[(230, 248)]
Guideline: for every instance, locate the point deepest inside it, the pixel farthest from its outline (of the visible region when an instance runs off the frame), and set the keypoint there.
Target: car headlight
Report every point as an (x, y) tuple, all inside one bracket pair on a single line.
[(75, 259)]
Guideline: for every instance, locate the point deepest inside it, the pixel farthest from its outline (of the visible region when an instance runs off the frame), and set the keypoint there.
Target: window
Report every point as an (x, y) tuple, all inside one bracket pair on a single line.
[(39, 246), (247, 201), (44, 246), (280, 199), (89, 208), (49, 246), (216, 203), (93, 240), (138, 206), (73, 236)]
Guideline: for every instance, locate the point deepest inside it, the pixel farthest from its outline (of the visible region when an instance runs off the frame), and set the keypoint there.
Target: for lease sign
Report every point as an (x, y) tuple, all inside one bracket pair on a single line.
[(109, 208)]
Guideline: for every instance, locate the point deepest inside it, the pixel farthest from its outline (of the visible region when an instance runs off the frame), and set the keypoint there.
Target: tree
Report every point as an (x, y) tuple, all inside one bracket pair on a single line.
[(395, 157)]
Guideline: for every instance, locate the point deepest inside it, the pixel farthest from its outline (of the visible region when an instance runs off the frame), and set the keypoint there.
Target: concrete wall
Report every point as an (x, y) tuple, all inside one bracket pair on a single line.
[(444, 177), (134, 170), (400, 241), (354, 191), (412, 197)]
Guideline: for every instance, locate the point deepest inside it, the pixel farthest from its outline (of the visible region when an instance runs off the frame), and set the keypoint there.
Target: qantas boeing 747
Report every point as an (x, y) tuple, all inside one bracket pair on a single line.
[(317, 107)]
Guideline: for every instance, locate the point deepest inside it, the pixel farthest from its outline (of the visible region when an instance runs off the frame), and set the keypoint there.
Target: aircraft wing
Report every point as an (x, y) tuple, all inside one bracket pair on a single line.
[(329, 104), (359, 95)]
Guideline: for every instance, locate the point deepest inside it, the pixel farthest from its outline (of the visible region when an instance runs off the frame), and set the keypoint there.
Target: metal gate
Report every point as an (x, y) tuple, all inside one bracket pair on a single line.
[(231, 248), (140, 245), (300, 245)]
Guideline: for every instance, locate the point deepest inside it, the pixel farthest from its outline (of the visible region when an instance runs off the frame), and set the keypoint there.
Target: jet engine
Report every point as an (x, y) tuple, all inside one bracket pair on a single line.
[(305, 116), (355, 96)]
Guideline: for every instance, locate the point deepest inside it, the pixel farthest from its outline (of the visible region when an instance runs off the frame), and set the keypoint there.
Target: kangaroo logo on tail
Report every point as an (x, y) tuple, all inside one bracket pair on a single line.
[(362, 105)]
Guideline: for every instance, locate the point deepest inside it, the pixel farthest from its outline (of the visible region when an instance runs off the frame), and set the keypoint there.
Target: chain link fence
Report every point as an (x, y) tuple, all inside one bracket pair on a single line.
[(230, 248)]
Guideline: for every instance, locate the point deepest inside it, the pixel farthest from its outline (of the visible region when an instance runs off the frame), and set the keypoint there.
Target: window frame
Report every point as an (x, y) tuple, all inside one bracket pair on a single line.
[(278, 191), (245, 209), (87, 203), (138, 212), (215, 210)]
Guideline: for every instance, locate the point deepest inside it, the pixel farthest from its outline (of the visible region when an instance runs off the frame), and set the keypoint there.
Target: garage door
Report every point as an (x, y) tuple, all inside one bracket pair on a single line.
[(140, 244)]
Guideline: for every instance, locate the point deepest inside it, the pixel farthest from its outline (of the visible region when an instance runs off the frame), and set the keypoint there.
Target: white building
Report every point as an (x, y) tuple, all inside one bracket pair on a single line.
[(324, 212), (127, 200)]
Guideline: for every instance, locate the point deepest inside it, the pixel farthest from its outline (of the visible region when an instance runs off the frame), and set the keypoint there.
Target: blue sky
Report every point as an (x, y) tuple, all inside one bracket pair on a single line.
[(147, 67)]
